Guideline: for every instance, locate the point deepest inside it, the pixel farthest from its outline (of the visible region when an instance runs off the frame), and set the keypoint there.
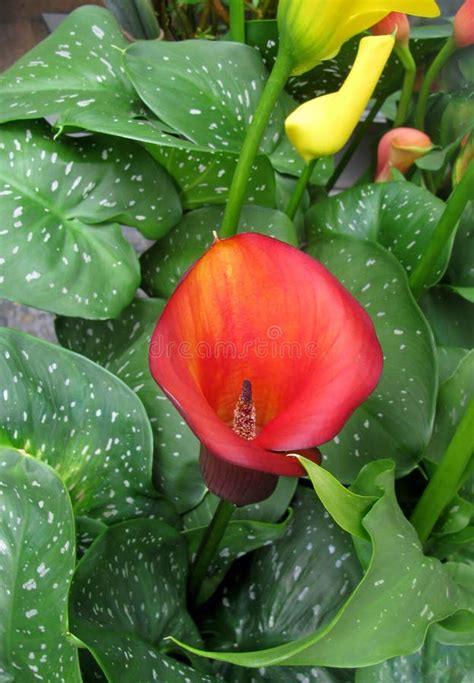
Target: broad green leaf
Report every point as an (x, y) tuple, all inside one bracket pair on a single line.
[(37, 557), (288, 589), (85, 423), (450, 317), (348, 509), (400, 216), (275, 674), (401, 585), (453, 398), (449, 358), (53, 256), (218, 85), (127, 596), (242, 536), (166, 261), (122, 347), (204, 176), (397, 418), (434, 663), (76, 73)]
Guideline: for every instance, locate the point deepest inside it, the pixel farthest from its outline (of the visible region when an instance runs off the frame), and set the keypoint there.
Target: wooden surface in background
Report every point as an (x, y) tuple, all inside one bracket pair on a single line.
[(22, 26)]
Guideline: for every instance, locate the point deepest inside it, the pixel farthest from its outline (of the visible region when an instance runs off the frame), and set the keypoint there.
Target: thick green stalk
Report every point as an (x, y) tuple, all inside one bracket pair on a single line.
[(440, 60), (425, 271), (447, 478), (207, 548), (237, 20), (300, 187), (275, 84), (355, 142), (405, 56)]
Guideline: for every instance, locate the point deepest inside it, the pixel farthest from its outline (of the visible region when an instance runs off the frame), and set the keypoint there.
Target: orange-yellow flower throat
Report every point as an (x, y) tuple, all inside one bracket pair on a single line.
[(245, 416)]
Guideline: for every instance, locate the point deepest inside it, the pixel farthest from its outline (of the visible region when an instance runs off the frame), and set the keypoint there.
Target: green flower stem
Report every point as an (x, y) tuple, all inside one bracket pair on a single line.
[(447, 478), (405, 56), (441, 58), (300, 187), (208, 546), (425, 271), (237, 20), (275, 84), (355, 142)]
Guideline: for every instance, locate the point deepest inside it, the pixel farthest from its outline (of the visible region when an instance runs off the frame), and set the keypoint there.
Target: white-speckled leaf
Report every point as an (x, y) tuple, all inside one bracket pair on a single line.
[(37, 557), (51, 254), (289, 589), (217, 84), (400, 586), (127, 596), (204, 176), (75, 73), (399, 215), (396, 420), (85, 423), (166, 261), (122, 347), (453, 398), (241, 536)]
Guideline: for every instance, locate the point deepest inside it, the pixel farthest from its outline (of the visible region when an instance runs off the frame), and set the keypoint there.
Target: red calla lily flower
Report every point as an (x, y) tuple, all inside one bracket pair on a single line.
[(264, 353)]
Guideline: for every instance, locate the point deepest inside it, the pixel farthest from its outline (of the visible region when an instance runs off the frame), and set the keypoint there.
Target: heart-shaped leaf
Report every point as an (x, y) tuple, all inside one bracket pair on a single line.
[(76, 73), (37, 557), (401, 585), (397, 418), (399, 215), (166, 261), (204, 176), (125, 621), (81, 420), (52, 193), (122, 347), (218, 85)]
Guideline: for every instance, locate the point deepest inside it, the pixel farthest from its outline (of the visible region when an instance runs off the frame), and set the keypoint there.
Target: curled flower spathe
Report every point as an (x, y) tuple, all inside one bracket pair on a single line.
[(322, 126), (264, 353), (396, 23), (314, 30)]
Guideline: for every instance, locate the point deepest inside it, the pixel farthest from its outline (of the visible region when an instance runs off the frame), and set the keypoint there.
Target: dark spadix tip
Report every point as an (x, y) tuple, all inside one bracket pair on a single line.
[(238, 485), (246, 395)]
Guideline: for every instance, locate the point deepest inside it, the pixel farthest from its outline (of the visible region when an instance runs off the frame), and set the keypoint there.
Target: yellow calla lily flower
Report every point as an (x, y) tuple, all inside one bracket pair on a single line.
[(314, 30), (322, 126)]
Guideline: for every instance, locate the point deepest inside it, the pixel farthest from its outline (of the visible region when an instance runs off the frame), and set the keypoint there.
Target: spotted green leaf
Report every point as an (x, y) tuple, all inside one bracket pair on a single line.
[(204, 176), (122, 347), (66, 411), (166, 261), (453, 398), (242, 536), (217, 84), (461, 270), (52, 255), (436, 662), (450, 317), (399, 215), (75, 71), (37, 557), (397, 418), (127, 596), (401, 585)]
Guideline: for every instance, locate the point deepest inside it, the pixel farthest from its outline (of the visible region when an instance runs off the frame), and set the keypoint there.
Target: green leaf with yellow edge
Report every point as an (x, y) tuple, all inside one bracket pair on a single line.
[(401, 585), (348, 509)]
